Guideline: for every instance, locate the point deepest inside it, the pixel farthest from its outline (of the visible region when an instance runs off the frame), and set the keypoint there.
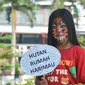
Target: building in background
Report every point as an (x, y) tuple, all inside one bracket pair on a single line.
[(27, 35)]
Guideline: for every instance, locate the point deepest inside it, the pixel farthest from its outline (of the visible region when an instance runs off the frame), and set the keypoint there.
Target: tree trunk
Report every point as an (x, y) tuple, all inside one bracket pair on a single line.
[(13, 40), (57, 4)]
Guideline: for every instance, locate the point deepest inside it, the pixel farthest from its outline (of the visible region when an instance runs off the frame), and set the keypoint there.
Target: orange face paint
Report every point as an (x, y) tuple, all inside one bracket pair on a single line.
[(59, 29)]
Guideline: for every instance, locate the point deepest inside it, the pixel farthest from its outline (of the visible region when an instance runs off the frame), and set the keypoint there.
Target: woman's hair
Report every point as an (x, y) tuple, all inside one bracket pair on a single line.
[(66, 16)]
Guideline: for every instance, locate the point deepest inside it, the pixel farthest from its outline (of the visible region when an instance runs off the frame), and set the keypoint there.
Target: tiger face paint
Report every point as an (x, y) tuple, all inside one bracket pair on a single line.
[(59, 30)]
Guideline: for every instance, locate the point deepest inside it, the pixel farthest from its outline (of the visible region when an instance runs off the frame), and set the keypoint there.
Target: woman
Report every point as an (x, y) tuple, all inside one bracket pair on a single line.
[(62, 35)]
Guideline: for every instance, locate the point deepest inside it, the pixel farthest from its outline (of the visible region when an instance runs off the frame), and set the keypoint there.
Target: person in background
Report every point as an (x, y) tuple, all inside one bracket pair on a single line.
[(62, 35)]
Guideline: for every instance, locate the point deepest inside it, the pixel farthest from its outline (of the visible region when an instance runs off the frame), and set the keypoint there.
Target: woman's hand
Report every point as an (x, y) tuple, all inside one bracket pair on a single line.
[(41, 81)]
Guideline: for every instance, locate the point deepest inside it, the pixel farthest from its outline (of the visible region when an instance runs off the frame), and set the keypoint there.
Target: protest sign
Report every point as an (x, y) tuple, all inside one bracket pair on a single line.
[(40, 60)]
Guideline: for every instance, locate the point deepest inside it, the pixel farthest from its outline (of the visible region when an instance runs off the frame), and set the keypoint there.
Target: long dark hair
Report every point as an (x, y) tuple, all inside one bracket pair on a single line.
[(68, 19)]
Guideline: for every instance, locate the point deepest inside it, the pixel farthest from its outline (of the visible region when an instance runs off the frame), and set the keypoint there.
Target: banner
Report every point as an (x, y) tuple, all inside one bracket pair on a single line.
[(40, 60)]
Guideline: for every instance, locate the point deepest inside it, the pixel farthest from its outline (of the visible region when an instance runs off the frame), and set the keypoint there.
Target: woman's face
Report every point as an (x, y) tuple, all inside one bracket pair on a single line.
[(59, 30)]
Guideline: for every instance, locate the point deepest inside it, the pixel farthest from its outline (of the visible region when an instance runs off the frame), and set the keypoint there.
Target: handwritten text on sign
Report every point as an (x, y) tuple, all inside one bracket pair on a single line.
[(40, 60)]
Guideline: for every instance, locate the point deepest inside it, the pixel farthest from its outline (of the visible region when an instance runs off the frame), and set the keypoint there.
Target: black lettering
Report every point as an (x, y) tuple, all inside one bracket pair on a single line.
[(39, 61), (32, 71), (31, 55), (42, 67), (46, 58), (44, 51), (37, 53)]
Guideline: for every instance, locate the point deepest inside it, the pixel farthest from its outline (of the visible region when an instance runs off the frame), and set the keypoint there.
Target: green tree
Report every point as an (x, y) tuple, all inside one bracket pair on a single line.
[(81, 39), (25, 6), (30, 81), (57, 4), (6, 55), (82, 2)]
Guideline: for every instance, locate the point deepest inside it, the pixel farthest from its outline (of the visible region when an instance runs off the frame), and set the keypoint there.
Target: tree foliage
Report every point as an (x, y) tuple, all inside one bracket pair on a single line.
[(30, 81), (82, 40), (25, 6), (82, 2), (6, 54)]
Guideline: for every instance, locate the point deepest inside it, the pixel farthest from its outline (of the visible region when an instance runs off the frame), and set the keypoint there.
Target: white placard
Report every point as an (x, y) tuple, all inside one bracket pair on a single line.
[(40, 60)]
